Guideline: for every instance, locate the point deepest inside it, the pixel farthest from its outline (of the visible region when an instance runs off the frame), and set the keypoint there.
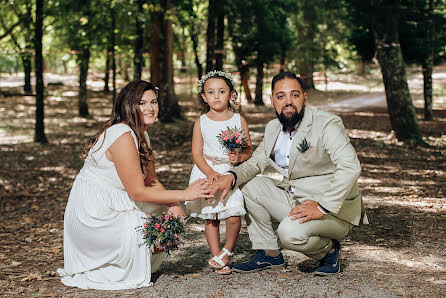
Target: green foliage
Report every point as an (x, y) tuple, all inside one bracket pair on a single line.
[(413, 29), (259, 29)]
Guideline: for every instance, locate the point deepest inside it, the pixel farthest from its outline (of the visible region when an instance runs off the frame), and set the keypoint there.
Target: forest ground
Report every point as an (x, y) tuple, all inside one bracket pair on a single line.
[(401, 253)]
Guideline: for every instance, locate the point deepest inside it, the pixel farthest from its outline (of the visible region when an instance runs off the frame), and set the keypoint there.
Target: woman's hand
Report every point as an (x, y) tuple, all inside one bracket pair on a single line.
[(213, 176), (234, 156), (199, 189)]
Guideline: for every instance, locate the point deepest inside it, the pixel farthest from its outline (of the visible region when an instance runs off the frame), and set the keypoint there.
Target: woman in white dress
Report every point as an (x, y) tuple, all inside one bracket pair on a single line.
[(111, 195)]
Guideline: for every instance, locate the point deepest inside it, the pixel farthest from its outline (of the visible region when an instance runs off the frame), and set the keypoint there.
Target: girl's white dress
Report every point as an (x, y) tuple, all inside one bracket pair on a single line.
[(102, 246), (217, 158)]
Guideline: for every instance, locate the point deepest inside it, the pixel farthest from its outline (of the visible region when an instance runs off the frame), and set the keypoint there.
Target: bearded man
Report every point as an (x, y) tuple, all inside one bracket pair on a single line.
[(318, 199)]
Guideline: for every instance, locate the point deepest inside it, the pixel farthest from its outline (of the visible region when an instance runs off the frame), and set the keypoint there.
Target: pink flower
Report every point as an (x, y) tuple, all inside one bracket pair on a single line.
[(237, 134), (162, 230), (231, 136), (225, 138), (166, 217), (157, 226), (175, 236), (222, 135), (226, 132), (237, 141)]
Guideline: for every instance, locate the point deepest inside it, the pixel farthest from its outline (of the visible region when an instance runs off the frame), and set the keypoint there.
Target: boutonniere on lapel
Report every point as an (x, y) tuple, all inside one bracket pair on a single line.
[(303, 146)]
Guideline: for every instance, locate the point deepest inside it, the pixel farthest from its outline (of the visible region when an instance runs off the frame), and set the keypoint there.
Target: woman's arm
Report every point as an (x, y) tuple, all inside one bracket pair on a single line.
[(124, 155), (197, 152)]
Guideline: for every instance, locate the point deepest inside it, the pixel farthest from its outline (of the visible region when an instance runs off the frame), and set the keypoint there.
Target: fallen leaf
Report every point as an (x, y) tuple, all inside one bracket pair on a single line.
[(196, 274), (32, 276), (14, 263)]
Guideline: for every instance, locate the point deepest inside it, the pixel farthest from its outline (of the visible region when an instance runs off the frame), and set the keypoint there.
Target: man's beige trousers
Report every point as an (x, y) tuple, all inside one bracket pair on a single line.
[(265, 201)]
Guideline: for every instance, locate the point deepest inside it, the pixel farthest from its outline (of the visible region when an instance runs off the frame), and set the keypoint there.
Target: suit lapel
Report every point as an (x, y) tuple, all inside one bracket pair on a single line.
[(302, 131)]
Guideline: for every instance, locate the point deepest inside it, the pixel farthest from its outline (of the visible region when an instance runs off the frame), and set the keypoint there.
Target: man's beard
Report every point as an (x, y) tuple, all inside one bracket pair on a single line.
[(293, 120)]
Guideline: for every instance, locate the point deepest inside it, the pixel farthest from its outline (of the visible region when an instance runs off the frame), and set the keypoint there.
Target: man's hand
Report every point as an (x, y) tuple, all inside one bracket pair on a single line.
[(223, 184), (307, 211)]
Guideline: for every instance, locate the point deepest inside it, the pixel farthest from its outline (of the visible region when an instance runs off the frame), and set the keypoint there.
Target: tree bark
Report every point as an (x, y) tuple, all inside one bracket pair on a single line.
[(26, 57), (27, 68), (429, 64), (139, 42), (194, 38), (112, 47), (155, 65), (84, 59), (39, 135), (244, 77), (169, 108), (219, 52), (258, 101), (107, 70), (210, 36), (403, 118)]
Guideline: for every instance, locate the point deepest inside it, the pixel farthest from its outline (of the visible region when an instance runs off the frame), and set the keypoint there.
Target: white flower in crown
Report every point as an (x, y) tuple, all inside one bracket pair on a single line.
[(211, 74)]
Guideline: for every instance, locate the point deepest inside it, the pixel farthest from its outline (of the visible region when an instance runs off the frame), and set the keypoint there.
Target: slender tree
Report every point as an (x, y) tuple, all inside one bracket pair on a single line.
[(385, 18), (219, 47), (429, 63), (162, 60), (139, 40), (39, 135), (210, 35)]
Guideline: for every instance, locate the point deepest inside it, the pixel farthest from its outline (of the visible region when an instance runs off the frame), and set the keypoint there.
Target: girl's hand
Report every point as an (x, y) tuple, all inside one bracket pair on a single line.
[(176, 211), (234, 156), (199, 189), (213, 176)]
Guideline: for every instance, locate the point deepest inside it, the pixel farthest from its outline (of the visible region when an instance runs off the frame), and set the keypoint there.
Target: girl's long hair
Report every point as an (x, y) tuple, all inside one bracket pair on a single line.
[(126, 110)]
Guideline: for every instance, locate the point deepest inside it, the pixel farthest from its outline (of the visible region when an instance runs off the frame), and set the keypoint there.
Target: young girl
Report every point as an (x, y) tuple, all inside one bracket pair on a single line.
[(216, 94)]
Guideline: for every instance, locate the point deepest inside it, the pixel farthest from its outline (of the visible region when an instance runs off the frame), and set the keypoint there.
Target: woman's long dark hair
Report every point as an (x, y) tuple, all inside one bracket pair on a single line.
[(126, 110)]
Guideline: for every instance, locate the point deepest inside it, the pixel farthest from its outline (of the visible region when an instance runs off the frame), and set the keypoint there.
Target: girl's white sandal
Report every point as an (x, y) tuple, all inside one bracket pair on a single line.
[(219, 259)]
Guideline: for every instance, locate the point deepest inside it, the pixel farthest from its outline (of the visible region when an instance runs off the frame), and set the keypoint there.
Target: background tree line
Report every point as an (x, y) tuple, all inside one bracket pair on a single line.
[(141, 39)]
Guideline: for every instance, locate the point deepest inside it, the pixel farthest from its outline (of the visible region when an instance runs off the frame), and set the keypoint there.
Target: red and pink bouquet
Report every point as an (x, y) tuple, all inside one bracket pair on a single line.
[(232, 139), (162, 232)]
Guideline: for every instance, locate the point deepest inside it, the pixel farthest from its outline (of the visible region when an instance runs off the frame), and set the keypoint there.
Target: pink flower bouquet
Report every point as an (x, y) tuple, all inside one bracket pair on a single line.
[(162, 232), (232, 139)]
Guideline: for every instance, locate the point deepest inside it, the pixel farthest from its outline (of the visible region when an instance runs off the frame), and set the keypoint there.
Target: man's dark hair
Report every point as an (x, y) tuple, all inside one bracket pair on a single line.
[(289, 75)]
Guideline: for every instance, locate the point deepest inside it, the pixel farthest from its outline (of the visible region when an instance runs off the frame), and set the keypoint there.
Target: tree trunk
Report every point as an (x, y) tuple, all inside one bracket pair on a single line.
[(429, 64), (27, 69), (282, 62), (361, 68), (258, 101), (139, 42), (169, 108), (194, 38), (403, 118), (210, 36), (219, 52), (155, 65), (112, 47), (107, 70), (26, 57), (244, 74), (84, 59), (39, 135)]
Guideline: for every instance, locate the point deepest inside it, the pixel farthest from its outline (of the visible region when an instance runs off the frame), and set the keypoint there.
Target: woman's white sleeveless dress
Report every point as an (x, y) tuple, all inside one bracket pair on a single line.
[(102, 246), (217, 158)]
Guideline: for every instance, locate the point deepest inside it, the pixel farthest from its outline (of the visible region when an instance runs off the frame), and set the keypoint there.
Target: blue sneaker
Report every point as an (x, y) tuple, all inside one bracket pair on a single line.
[(330, 263), (258, 262)]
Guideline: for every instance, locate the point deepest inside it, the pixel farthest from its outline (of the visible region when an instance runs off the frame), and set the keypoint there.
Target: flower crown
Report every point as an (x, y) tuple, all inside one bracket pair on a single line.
[(211, 74)]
